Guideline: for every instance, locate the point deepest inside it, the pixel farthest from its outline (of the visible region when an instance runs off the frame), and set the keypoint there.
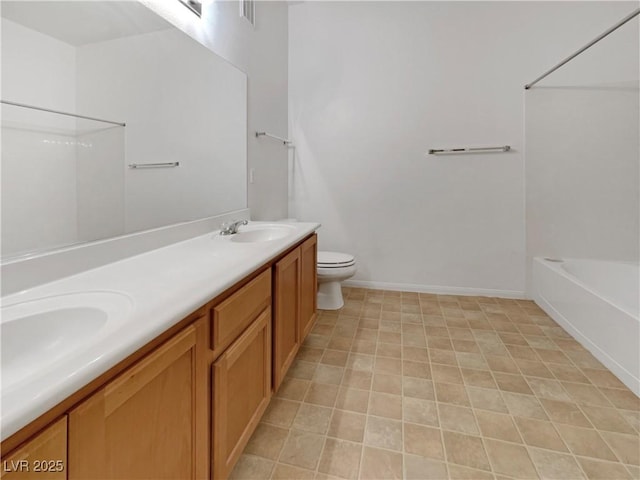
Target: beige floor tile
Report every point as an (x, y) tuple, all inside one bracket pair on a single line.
[(547, 388), (466, 346), (443, 357), (321, 394), (452, 393), (312, 418), (380, 464), (420, 468), (336, 358), (415, 354), (555, 466), (502, 364), (478, 378), (287, 472), (340, 458), (357, 379), (387, 337), (456, 472), (626, 447), (353, 400), (416, 369), (524, 406), (607, 419), (603, 378), (634, 470), (302, 449), (586, 394), (487, 399), (585, 442), (458, 419), (423, 441), (465, 450), (387, 383), (471, 360), (347, 426), (360, 362), (632, 417), (512, 383), (423, 412), (363, 346), (338, 342), (539, 433), (385, 405), (328, 374), (267, 441), (552, 356), (383, 433), (525, 353), (565, 412), (462, 334), (389, 350), (498, 426), (509, 459), (302, 370), (446, 373), (599, 470), (418, 388), (568, 373), (293, 389), (280, 412), (310, 354), (389, 366), (622, 398), (250, 467)]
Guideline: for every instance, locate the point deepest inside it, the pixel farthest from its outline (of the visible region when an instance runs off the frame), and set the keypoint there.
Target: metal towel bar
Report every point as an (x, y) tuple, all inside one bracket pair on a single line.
[(280, 139), (48, 110), (154, 165), (435, 151)]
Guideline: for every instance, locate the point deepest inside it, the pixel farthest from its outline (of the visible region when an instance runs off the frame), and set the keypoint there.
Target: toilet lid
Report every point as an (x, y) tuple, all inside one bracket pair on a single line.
[(335, 259)]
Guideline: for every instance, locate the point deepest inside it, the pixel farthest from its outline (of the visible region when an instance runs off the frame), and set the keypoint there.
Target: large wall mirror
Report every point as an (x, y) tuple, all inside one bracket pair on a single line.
[(113, 122)]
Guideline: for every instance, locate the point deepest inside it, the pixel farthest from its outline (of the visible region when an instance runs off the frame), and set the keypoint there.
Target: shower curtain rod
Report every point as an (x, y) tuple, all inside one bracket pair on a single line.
[(590, 44), (48, 110)]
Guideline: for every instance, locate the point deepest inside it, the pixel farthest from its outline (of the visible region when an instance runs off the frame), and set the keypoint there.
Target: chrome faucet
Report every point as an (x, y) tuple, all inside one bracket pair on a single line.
[(229, 228)]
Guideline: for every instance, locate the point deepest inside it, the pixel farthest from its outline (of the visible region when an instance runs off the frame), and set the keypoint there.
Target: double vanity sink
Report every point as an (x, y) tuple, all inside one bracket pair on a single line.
[(60, 336)]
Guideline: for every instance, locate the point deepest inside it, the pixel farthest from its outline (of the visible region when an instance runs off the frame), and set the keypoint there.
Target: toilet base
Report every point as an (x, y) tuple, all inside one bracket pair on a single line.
[(330, 296)]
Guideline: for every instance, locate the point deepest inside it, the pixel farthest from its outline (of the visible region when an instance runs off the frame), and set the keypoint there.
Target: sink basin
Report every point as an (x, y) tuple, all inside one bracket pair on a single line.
[(38, 333), (262, 233)]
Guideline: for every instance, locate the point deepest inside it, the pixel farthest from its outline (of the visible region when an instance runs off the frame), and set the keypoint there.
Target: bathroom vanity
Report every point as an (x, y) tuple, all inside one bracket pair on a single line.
[(185, 403)]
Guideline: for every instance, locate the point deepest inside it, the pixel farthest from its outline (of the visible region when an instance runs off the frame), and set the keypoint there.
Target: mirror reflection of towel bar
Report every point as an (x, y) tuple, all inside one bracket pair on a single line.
[(154, 165), (435, 151), (275, 137)]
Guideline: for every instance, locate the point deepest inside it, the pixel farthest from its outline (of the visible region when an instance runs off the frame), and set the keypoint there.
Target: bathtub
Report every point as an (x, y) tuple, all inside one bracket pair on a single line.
[(598, 302)]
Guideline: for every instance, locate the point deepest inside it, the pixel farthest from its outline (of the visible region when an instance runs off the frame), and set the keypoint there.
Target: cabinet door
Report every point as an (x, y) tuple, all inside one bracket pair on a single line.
[(44, 457), (308, 285), (147, 422), (241, 393), (286, 338)]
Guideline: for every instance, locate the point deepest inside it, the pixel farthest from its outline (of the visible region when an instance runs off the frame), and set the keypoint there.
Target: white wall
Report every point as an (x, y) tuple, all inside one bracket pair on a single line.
[(38, 149), (583, 155), (374, 85), (260, 52)]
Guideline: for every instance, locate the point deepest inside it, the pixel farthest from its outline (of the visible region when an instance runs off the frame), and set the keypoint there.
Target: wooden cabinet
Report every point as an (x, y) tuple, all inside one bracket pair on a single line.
[(151, 421), (44, 457), (308, 285), (295, 290), (241, 393), (286, 314), (186, 404)]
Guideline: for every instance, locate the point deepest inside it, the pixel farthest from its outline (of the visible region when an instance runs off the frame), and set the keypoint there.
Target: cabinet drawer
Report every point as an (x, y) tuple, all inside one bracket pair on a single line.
[(232, 316)]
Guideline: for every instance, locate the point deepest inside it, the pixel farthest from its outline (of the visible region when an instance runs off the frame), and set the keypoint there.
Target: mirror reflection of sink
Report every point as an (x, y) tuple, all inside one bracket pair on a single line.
[(37, 333), (262, 233)]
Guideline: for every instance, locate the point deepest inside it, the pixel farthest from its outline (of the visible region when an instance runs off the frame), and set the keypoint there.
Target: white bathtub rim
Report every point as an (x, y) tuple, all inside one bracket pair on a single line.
[(556, 265), (621, 372)]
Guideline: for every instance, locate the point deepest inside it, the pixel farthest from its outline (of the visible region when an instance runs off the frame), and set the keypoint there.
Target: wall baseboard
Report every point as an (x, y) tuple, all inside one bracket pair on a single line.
[(437, 289)]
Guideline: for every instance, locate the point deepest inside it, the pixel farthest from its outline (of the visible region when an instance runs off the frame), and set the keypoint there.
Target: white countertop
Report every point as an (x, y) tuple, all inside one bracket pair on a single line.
[(163, 285)]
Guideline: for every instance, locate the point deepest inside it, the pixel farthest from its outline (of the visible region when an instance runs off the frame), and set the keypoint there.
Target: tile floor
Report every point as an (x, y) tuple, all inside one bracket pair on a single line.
[(417, 386)]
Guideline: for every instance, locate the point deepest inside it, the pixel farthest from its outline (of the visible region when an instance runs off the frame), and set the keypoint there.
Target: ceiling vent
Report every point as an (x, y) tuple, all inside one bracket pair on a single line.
[(248, 11)]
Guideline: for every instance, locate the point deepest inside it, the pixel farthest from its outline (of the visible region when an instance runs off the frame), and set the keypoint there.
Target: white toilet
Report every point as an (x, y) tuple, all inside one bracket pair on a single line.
[(333, 268)]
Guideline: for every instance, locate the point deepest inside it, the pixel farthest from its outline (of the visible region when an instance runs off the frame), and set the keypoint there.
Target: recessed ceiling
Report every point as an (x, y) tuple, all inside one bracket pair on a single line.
[(80, 23)]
